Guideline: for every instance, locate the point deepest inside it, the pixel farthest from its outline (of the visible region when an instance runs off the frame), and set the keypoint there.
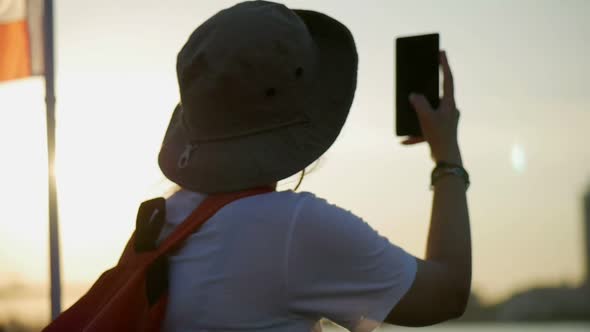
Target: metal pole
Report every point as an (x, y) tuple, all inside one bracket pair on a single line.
[(54, 257)]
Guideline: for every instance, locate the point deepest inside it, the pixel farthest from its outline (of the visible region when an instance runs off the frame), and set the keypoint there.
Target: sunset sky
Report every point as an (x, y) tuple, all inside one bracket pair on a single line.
[(522, 84)]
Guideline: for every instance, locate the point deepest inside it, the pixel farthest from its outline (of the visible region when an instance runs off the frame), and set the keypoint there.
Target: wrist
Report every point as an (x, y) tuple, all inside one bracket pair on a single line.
[(451, 155)]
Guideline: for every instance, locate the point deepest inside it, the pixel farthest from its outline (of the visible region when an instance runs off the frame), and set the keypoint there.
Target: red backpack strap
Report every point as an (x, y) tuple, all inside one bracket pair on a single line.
[(206, 210)]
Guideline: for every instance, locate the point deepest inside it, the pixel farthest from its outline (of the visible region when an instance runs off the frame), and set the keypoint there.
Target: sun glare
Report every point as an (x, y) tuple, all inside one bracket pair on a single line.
[(23, 176), (102, 172)]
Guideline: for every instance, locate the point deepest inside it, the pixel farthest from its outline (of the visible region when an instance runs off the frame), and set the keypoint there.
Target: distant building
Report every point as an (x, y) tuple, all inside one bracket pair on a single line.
[(587, 232), (547, 304), (561, 303), (543, 304)]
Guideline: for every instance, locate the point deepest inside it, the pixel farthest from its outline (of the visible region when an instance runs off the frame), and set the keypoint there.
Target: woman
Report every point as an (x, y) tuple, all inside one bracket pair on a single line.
[(265, 91)]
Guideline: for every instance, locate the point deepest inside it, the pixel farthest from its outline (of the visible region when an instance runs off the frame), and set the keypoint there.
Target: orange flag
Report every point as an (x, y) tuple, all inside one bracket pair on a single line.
[(21, 38)]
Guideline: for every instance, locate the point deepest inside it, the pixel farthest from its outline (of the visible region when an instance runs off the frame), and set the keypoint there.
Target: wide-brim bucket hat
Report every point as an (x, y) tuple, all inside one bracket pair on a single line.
[(265, 91)]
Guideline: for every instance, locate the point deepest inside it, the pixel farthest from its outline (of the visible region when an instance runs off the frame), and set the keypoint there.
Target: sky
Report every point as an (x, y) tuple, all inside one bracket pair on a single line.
[(521, 76)]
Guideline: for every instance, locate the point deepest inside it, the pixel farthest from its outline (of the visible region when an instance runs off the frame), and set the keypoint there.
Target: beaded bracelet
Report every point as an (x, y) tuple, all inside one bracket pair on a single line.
[(443, 169)]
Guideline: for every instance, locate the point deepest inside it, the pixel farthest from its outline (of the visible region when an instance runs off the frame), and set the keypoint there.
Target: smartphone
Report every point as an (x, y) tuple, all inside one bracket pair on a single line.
[(416, 68)]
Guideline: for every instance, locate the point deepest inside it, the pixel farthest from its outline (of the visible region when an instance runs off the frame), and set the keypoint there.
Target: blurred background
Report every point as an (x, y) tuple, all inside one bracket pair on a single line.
[(521, 73)]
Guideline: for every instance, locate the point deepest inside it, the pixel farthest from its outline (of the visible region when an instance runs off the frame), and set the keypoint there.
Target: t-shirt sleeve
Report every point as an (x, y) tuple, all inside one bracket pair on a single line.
[(340, 268)]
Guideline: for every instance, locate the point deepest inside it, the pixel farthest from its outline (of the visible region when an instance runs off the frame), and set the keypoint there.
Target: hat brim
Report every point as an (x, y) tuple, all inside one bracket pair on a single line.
[(267, 157)]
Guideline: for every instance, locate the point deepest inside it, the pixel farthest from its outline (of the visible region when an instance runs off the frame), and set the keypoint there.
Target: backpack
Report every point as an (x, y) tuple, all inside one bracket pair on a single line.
[(132, 296)]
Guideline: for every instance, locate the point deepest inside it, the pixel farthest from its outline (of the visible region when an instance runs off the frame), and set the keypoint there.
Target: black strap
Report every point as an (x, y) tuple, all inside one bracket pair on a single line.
[(150, 220), (151, 217)]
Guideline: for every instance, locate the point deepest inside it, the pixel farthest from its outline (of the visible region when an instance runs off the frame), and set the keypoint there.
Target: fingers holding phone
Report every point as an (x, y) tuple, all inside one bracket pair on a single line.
[(439, 126)]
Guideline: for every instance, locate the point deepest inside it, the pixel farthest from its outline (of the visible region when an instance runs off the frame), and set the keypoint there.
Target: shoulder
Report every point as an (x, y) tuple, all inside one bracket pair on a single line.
[(286, 201), (326, 226), (311, 210), (307, 203)]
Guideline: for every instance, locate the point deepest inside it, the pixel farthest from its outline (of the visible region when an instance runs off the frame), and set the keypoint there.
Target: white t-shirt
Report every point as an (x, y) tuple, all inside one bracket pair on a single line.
[(279, 262)]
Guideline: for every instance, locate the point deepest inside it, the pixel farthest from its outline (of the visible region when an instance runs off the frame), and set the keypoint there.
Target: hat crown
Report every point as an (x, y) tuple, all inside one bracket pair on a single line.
[(245, 70)]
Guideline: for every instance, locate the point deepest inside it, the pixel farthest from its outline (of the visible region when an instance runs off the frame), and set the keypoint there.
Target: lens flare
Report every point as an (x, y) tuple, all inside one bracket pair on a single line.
[(518, 158)]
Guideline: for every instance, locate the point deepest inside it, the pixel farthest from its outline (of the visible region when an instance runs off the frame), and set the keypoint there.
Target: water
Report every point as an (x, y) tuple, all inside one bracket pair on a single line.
[(34, 311), (492, 327)]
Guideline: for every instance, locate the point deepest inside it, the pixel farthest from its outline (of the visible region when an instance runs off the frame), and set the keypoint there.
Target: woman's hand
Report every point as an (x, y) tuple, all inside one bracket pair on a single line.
[(439, 126)]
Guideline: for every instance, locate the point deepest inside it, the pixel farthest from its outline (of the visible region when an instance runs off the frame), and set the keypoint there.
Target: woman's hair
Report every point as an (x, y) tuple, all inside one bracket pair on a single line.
[(305, 171), (300, 179)]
